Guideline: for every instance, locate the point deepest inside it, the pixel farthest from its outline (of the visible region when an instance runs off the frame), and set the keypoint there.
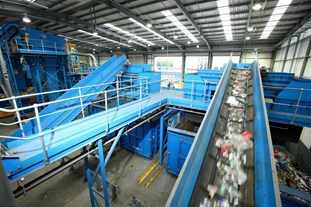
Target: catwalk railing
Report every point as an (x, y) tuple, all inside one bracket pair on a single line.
[(295, 109), (111, 100)]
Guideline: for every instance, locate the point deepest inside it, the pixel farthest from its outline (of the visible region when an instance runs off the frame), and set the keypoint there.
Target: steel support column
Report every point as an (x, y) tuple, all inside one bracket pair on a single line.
[(183, 65), (91, 179), (210, 60)]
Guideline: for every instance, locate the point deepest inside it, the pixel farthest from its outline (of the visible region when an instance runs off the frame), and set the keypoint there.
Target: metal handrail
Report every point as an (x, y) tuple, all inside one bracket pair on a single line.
[(81, 104), (297, 106)]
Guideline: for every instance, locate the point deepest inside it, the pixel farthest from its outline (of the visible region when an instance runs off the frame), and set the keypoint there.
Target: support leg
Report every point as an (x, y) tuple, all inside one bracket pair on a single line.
[(89, 179)]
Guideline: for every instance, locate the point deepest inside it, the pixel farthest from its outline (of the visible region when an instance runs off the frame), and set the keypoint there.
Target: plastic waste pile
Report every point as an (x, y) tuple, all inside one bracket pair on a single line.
[(288, 171)]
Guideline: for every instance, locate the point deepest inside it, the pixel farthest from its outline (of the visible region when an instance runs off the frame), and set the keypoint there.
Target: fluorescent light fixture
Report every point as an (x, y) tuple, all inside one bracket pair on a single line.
[(26, 19), (150, 30), (250, 28), (103, 38), (128, 33), (257, 6), (247, 37), (224, 12), (149, 25), (274, 19), (179, 25)]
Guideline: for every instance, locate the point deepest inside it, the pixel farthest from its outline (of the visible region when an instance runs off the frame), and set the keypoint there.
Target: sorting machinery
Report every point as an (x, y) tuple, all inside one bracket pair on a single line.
[(128, 99), (34, 61)]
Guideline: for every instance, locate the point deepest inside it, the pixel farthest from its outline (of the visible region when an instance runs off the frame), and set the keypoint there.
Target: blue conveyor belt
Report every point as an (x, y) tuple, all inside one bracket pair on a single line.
[(106, 73), (265, 188)]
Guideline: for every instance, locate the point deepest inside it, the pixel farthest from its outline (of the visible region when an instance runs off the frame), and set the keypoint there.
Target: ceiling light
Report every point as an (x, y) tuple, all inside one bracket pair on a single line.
[(257, 6), (129, 41), (95, 33), (188, 42), (250, 28), (179, 25), (110, 50), (128, 33), (148, 45), (276, 15), (149, 25), (118, 47), (247, 37), (198, 46), (134, 49), (26, 19), (224, 13), (162, 48), (150, 30), (175, 37)]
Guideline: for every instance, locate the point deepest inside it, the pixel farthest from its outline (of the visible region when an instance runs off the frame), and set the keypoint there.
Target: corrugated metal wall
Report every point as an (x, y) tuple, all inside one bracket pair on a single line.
[(296, 53)]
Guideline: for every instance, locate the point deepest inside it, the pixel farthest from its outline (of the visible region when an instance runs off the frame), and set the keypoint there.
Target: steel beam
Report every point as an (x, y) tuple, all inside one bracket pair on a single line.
[(11, 9), (120, 8), (191, 20)]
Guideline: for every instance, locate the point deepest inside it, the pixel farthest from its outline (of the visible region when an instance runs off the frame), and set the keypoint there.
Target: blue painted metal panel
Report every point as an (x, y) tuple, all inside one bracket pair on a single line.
[(151, 77), (139, 68), (105, 73), (195, 84), (144, 139), (38, 42), (292, 96), (178, 145), (266, 186)]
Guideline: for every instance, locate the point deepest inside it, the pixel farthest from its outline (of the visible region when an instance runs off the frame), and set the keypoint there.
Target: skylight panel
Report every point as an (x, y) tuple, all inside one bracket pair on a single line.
[(224, 12), (168, 14), (277, 14), (128, 33), (150, 30), (103, 38)]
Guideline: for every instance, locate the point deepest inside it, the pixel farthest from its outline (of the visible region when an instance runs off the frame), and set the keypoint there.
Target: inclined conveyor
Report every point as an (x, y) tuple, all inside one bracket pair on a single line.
[(209, 174)]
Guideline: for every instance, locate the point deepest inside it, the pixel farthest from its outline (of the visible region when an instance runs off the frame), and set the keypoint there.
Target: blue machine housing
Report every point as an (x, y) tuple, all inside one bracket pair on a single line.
[(194, 83), (283, 98), (34, 41)]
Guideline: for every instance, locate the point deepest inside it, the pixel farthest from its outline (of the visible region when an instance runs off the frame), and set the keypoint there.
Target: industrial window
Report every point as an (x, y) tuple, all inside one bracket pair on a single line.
[(170, 67), (194, 63), (219, 61)]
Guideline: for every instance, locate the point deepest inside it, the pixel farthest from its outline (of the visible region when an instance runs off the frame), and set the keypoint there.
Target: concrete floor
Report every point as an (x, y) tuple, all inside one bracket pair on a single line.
[(68, 188)]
